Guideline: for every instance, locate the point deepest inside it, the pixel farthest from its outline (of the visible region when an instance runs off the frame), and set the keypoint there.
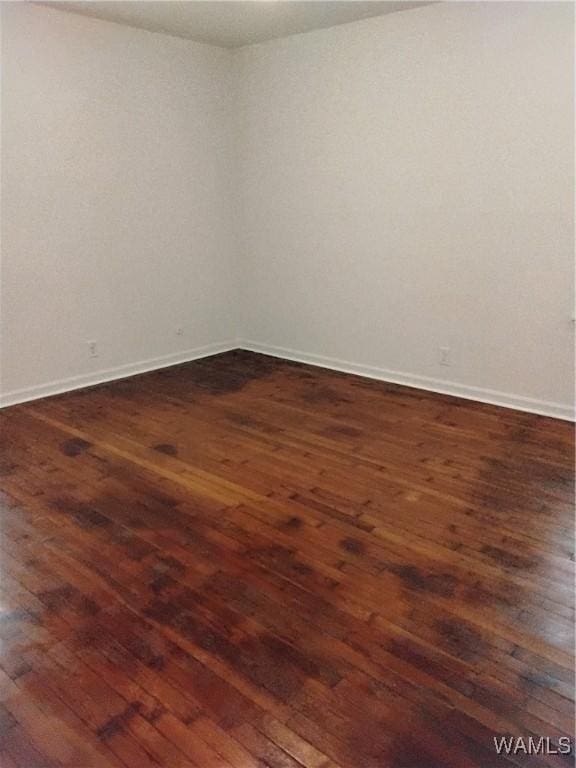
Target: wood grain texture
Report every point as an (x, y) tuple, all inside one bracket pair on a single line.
[(244, 562)]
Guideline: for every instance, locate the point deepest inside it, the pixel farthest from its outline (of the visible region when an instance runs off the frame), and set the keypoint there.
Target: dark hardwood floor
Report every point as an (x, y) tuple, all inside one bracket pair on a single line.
[(246, 562)]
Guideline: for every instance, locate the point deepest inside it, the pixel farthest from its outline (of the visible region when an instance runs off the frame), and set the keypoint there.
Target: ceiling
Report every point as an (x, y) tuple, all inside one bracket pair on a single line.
[(233, 23)]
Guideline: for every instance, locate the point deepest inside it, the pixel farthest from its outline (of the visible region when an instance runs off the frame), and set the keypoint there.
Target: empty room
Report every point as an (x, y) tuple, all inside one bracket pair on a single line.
[(287, 384)]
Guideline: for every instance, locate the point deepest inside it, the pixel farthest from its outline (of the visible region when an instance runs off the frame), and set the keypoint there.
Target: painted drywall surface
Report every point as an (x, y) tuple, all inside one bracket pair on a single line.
[(406, 184), (365, 195), (116, 195)]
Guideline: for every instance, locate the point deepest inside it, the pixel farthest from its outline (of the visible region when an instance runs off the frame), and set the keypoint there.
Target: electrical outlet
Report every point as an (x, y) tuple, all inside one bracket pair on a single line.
[(444, 356), (92, 349), (179, 331)]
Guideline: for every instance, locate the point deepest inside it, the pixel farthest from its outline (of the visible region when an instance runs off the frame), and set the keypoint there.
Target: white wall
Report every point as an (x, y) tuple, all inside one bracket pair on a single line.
[(407, 184), (359, 196), (116, 184)]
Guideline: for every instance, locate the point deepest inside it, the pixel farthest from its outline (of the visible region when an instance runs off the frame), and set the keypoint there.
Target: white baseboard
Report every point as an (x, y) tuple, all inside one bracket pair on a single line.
[(493, 397), (111, 374)]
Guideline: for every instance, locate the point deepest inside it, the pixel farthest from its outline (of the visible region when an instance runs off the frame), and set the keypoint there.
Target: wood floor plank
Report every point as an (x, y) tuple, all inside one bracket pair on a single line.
[(244, 562)]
